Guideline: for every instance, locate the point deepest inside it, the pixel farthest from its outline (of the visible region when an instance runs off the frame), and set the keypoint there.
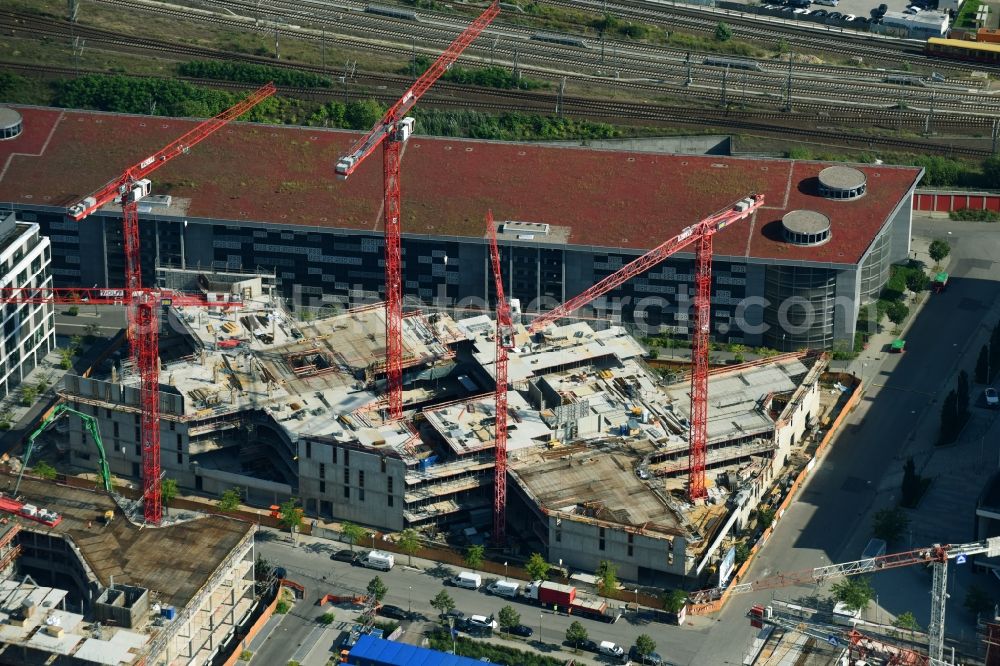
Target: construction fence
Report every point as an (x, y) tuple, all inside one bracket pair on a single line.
[(716, 605)]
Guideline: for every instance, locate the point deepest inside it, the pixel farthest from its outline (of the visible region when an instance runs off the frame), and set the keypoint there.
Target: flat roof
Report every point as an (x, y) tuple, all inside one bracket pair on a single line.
[(734, 396), (173, 562), (604, 198), (371, 651), (595, 480)]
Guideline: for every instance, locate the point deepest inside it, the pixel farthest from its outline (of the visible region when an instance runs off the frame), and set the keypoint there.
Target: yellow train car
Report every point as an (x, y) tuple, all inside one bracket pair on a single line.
[(960, 49)]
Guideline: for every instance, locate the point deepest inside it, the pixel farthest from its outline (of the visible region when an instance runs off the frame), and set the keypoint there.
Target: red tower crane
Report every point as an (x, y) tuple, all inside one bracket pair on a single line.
[(391, 132), (130, 187), (146, 333), (504, 342), (701, 234)]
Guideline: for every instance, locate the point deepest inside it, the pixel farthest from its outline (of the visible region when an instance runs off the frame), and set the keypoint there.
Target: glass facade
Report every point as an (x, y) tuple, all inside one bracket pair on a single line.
[(800, 307), (875, 268)]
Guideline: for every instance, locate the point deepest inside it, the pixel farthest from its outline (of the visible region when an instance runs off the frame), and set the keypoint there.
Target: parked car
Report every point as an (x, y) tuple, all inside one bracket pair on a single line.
[(588, 645), (522, 630), (343, 556), (835, 15), (912, 9), (393, 612), (849, 17), (454, 614), (820, 13), (991, 397), (482, 622), (652, 659)]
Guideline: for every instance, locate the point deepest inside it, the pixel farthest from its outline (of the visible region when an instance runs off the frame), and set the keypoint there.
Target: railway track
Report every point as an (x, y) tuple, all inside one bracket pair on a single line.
[(638, 78), (753, 121)]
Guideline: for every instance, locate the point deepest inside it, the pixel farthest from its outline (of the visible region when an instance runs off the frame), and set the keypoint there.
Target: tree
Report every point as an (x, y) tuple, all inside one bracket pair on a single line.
[(962, 396), (607, 577), (442, 602), (76, 343), (508, 618), (913, 485), (28, 395), (537, 567), (854, 592), (765, 517), (995, 352), (978, 601), (409, 543), (674, 600), (889, 524), (983, 366), (168, 491), (73, 311), (474, 556), (576, 634), (723, 33), (917, 281), (377, 589), (939, 249), (230, 500), (43, 470), (742, 552), (645, 646), (361, 115), (326, 618), (949, 419), (991, 171), (906, 621), (290, 516), (897, 312), (351, 533)]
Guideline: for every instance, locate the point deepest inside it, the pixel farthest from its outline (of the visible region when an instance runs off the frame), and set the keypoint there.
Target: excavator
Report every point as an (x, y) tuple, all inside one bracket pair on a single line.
[(89, 422)]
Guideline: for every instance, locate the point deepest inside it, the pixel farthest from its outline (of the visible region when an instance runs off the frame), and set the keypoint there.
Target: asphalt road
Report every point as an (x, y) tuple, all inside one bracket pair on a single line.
[(830, 520), (414, 588)]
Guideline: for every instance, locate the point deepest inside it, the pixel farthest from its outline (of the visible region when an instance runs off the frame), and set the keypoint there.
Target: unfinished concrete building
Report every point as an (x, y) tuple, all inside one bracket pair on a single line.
[(87, 591), (616, 490)]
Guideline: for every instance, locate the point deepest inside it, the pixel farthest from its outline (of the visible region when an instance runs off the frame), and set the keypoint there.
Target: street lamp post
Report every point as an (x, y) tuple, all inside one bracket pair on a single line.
[(409, 599), (540, 616), (505, 571), (372, 535)]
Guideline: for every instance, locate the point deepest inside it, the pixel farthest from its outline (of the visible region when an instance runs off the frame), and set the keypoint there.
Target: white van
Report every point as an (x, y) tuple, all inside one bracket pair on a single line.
[(611, 649), (380, 560), (503, 588), (468, 580)]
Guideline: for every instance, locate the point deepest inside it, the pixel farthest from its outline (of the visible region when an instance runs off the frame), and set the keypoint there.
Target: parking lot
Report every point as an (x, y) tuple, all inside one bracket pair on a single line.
[(826, 14)]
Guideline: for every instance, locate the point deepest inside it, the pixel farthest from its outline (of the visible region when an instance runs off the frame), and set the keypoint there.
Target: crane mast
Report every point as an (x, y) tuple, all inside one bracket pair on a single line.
[(391, 132), (504, 342), (699, 234), (936, 555), (143, 323)]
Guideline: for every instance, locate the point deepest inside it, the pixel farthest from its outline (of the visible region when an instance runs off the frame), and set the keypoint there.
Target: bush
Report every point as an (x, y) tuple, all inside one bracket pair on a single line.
[(43, 470), (282, 607), (723, 33), (974, 215), (243, 72), (498, 654), (246, 655), (73, 311), (326, 618), (890, 524)]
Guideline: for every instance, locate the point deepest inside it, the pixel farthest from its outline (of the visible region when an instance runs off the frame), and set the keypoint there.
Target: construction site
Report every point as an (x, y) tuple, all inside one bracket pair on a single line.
[(527, 430)]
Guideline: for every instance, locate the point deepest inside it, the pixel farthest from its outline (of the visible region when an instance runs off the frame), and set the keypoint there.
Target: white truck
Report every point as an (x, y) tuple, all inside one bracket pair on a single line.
[(503, 588), (468, 580), (380, 560)]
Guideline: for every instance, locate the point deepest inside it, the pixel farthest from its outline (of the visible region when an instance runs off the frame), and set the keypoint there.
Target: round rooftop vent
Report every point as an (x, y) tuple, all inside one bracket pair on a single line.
[(805, 227), (842, 182), (10, 123)]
